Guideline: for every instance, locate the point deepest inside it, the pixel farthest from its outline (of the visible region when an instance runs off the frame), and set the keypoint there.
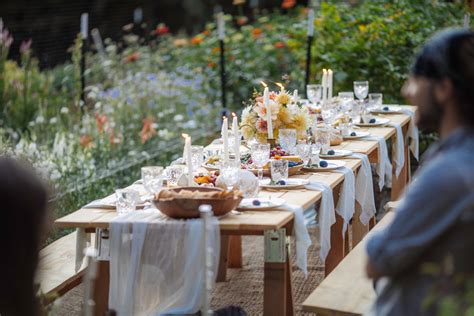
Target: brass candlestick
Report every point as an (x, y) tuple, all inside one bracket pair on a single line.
[(271, 141)]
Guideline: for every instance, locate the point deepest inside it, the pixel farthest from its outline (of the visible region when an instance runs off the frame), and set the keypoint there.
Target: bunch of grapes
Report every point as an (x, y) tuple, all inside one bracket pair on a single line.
[(278, 151)]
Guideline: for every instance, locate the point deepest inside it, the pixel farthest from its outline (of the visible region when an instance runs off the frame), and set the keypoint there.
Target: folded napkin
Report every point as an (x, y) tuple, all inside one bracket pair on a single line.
[(364, 193), (412, 133), (157, 263), (346, 202), (399, 147), (327, 216), (384, 167), (302, 239)]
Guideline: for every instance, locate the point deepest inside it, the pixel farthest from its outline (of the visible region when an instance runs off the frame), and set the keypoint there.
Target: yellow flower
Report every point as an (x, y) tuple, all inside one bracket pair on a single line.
[(283, 98), (362, 28), (300, 121), (284, 116)]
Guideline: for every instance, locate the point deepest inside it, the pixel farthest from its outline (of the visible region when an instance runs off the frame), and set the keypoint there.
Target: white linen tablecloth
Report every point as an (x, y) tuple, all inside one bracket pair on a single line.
[(364, 189), (346, 202), (157, 263), (384, 166), (412, 133), (399, 147)]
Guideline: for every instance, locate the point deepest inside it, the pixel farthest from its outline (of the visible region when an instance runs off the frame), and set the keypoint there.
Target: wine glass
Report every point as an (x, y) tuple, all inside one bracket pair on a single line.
[(287, 139), (361, 89), (152, 178), (314, 93), (260, 156), (230, 173)]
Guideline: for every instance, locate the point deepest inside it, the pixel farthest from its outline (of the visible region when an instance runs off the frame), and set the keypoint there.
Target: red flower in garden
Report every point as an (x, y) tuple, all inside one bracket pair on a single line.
[(242, 20), (147, 130), (86, 141), (279, 45), (161, 29), (196, 40), (257, 32), (287, 4), (132, 58), (100, 120)]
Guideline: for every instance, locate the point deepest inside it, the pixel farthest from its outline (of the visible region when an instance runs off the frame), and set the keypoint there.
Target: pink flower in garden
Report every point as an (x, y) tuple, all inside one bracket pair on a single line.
[(5, 38), (132, 57), (262, 125), (86, 141), (25, 46), (147, 130), (100, 120)]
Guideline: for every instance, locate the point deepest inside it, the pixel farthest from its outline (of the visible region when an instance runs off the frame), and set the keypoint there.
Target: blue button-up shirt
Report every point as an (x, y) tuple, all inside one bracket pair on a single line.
[(431, 239)]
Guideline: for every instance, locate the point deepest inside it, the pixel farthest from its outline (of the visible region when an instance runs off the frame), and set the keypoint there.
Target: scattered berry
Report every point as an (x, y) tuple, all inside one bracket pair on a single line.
[(386, 108), (323, 163), (353, 134), (372, 121), (256, 202), (281, 182), (331, 152), (292, 164)]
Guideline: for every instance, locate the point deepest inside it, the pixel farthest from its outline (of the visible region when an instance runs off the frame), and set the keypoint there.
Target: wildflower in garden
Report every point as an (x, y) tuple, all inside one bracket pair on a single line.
[(161, 29), (101, 120), (257, 32), (147, 130), (196, 40), (25, 46), (280, 44), (132, 57), (86, 141), (288, 4)]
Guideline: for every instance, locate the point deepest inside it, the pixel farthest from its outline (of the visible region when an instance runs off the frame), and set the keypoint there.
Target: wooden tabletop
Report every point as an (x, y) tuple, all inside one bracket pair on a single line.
[(257, 222)]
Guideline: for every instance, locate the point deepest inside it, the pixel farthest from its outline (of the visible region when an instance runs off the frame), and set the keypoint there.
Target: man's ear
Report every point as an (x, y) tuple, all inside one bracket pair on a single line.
[(444, 92)]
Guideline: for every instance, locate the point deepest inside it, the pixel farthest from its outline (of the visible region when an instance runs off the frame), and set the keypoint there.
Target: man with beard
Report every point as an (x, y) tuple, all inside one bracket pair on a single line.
[(426, 255)]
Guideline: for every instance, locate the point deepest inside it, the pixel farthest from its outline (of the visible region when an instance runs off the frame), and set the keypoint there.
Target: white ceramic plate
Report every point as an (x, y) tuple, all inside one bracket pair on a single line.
[(265, 204), (292, 183), (332, 164), (338, 153), (359, 134), (378, 122), (211, 167), (392, 109)]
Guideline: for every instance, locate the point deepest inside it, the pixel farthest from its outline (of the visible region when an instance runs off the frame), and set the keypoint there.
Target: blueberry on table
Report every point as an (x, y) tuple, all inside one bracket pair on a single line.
[(281, 182), (386, 108), (256, 202), (331, 152), (353, 134), (292, 164), (323, 164), (372, 121)]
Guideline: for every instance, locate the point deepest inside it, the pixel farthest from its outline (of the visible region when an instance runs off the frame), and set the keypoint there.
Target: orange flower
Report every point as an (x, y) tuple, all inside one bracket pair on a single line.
[(216, 50), (206, 32), (257, 32), (147, 130), (279, 45), (161, 29), (132, 57), (211, 64), (100, 121), (196, 40), (288, 4), (85, 141)]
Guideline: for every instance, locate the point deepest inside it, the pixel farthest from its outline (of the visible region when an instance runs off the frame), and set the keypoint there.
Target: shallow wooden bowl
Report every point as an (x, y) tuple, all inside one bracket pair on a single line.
[(189, 208)]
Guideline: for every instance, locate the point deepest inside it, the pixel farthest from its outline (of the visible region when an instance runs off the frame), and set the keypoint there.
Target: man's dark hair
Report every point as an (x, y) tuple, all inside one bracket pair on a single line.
[(23, 203), (450, 55)]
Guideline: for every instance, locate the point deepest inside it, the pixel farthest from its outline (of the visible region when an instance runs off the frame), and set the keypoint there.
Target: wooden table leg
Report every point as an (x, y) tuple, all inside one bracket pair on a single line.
[(359, 230), (399, 183), (223, 259), (101, 288), (235, 252), (336, 253)]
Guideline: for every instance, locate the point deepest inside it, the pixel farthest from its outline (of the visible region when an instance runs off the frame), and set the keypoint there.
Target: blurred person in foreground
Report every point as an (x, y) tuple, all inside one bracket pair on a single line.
[(426, 255), (23, 201)]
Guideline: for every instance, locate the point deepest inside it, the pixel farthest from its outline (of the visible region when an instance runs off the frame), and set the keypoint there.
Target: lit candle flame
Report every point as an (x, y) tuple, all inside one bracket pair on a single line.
[(280, 85), (264, 84), (185, 135), (233, 114), (224, 117)]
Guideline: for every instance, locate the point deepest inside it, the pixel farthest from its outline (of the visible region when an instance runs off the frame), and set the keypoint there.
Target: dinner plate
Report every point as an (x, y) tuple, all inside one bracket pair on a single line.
[(332, 165), (392, 109), (292, 183), (378, 122), (359, 134), (338, 153), (212, 167), (265, 204)]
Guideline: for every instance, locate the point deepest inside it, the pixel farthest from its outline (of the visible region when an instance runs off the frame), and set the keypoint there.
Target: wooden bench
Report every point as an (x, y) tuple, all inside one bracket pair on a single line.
[(347, 290), (56, 271)]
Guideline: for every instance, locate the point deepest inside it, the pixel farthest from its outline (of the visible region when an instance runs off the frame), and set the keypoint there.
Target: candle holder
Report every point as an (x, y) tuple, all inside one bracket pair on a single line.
[(271, 141)]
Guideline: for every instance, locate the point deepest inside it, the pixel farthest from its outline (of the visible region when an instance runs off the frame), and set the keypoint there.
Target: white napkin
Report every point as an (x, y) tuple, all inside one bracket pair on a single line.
[(327, 216), (412, 133), (302, 239), (384, 167), (157, 263), (346, 202), (399, 158), (364, 193)]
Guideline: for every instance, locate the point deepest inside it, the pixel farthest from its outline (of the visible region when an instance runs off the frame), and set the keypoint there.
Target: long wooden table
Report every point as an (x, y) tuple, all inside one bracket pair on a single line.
[(278, 297)]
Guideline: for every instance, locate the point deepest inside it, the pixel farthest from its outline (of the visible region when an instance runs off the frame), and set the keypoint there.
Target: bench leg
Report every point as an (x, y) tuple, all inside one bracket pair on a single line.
[(336, 253), (278, 291), (223, 259), (81, 244), (101, 288), (359, 230), (235, 252)]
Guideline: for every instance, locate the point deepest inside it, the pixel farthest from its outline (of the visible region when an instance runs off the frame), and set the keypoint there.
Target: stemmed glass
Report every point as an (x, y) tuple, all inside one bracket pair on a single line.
[(322, 137), (197, 156), (230, 173), (287, 139), (314, 93), (152, 178), (260, 157), (361, 89)]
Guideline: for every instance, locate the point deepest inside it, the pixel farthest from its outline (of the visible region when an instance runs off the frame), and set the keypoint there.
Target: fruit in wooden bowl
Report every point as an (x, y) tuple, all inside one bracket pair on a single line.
[(184, 202)]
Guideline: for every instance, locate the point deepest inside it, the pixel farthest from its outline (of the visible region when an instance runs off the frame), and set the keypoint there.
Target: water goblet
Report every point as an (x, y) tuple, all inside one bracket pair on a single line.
[(152, 178), (126, 200), (361, 89), (230, 173), (260, 156), (314, 93), (322, 136), (173, 173), (315, 151), (197, 156), (279, 170), (287, 139), (304, 151)]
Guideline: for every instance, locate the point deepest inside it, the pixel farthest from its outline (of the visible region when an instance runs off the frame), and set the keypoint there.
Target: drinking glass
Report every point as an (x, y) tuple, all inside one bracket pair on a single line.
[(173, 173), (315, 151), (197, 156), (322, 136), (248, 184), (375, 100), (346, 99), (260, 156), (126, 200), (287, 139), (304, 151), (152, 178), (230, 173), (314, 93), (361, 89), (279, 170)]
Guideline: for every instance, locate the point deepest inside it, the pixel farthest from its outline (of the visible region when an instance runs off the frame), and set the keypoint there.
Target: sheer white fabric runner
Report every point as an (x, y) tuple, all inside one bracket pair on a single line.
[(399, 158), (412, 133), (327, 216), (364, 189), (157, 263), (346, 202), (384, 167)]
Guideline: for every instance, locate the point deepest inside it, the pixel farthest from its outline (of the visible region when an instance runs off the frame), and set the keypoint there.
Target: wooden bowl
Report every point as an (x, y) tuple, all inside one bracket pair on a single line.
[(189, 208)]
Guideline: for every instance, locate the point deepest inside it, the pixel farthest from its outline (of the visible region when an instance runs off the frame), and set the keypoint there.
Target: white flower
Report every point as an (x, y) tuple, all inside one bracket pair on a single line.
[(178, 117), (154, 125), (53, 120), (64, 110), (40, 120), (98, 105)]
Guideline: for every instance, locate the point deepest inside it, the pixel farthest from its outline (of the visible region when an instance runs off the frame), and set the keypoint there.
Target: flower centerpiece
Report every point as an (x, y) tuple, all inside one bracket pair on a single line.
[(284, 114)]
